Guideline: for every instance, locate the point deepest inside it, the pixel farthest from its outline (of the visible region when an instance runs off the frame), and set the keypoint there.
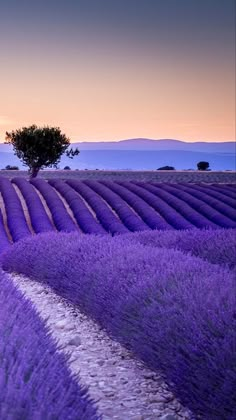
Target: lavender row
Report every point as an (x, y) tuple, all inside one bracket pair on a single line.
[(199, 204), (224, 189), (4, 241), (218, 193), (224, 205), (82, 214), (172, 217), (215, 246), (209, 212), (106, 217), (34, 382), (15, 216), (147, 213), (38, 216), (174, 311), (230, 187), (195, 218), (61, 218), (130, 219)]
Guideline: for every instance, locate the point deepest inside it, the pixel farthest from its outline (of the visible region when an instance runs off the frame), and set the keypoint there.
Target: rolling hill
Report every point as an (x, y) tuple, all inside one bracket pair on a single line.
[(140, 154)]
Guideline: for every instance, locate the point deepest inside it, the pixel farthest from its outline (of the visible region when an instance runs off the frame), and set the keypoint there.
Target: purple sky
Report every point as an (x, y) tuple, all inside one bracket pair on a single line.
[(113, 69)]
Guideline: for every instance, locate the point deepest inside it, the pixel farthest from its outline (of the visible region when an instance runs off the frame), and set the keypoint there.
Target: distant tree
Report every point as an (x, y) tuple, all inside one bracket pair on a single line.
[(166, 168), (40, 147), (67, 168), (11, 168), (203, 166)]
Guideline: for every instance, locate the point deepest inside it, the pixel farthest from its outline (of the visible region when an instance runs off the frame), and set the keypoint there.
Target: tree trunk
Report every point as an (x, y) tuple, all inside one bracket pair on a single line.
[(34, 172)]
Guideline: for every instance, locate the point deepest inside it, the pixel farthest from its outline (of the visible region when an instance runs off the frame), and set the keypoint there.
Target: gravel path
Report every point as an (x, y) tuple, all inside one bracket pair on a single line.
[(123, 388)]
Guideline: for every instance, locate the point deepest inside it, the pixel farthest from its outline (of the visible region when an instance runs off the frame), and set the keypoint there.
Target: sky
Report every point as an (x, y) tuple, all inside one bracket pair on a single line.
[(117, 69)]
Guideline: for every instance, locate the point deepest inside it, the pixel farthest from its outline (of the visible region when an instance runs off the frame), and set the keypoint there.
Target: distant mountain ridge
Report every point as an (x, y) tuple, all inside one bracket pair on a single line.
[(150, 144), (161, 144), (140, 154)]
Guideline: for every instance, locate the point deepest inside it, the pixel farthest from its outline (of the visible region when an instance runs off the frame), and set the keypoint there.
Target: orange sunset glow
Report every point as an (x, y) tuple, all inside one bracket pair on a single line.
[(101, 81)]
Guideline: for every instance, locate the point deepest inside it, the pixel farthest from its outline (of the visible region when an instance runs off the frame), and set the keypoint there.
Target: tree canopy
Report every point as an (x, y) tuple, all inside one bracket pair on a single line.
[(40, 147), (203, 166), (166, 168)]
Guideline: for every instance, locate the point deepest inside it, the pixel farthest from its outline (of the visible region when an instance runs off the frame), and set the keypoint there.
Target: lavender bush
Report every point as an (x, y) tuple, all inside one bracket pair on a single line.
[(38, 216), (226, 189), (102, 207), (129, 218), (82, 214), (224, 205), (199, 205), (181, 206), (61, 218), (167, 212), (34, 380), (108, 220), (4, 241), (15, 216), (146, 212), (220, 195), (174, 311), (215, 246)]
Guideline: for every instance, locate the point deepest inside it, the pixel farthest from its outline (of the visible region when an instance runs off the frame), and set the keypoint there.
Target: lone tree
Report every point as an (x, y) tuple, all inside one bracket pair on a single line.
[(11, 168), (166, 168), (203, 166), (40, 147)]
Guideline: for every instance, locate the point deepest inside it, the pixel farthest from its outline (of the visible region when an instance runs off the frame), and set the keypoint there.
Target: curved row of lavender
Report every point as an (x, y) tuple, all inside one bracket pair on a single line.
[(224, 208), (175, 311), (107, 207), (215, 246), (60, 216), (128, 217), (83, 215), (4, 240), (219, 195), (182, 207), (38, 216), (34, 380), (146, 212), (224, 205), (174, 218), (208, 210), (226, 189), (104, 214), (15, 216)]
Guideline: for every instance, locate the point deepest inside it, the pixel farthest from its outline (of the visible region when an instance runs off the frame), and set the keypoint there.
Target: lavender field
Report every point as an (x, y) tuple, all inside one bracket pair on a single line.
[(210, 177), (118, 298)]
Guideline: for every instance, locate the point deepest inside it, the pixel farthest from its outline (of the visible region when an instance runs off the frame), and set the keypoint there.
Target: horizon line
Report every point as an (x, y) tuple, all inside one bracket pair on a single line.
[(146, 138)]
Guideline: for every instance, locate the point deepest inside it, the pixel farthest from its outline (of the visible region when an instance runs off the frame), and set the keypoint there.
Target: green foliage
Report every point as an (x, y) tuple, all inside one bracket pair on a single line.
[(203, 166), (11, 168), (39, 147), (166, 168), (67, 168)]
